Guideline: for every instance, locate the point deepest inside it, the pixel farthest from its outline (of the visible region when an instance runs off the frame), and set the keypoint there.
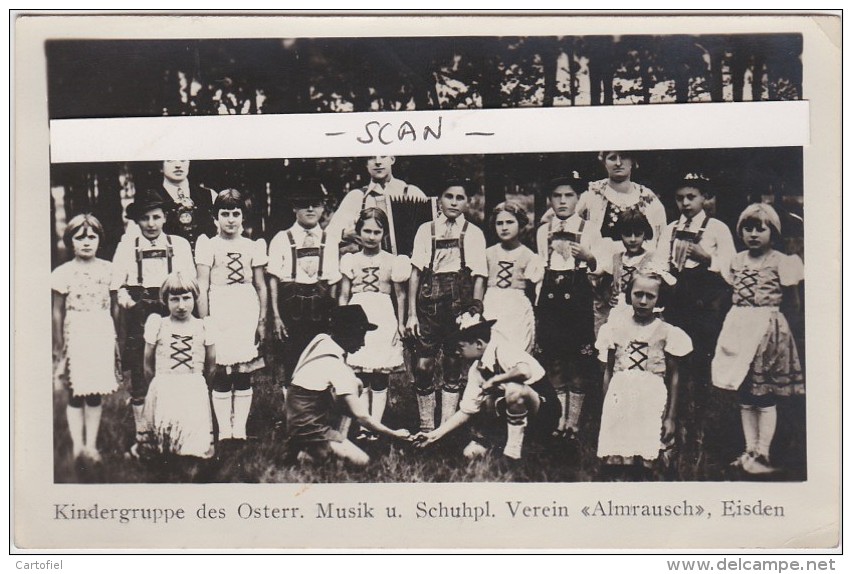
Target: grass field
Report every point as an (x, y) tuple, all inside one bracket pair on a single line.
[(260, 460)]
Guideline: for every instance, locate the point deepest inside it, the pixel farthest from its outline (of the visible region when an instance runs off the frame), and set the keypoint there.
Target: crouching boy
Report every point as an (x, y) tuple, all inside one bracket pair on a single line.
[(505, 383), (322, 380)]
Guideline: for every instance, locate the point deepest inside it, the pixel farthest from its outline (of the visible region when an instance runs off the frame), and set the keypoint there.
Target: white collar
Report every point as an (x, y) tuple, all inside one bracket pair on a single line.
[(697, 220), (442, 219), (556, 222), (621, 199), (315, 230), (489, 355), (175, 187), (378, 187), (159, 241)]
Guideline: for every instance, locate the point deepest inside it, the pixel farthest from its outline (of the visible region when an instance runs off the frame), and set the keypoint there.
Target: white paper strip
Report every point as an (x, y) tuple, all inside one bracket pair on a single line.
[(663, 126)]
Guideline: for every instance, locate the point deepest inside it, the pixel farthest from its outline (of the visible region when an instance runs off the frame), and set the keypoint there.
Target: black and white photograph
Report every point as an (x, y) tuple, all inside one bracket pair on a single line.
[(548, 315), (548, 258)]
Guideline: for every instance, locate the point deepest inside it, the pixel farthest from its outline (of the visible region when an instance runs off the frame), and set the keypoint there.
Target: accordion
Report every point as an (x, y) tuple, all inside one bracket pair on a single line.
[(407, 215)]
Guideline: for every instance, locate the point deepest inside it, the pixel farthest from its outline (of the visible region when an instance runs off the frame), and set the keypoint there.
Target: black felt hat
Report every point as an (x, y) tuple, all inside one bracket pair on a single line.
[(350, 318), (306, 191), (146, 201)]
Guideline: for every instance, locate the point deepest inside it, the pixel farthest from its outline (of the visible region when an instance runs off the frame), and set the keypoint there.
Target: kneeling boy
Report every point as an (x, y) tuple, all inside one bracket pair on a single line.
[(504, 383), (320, 380)]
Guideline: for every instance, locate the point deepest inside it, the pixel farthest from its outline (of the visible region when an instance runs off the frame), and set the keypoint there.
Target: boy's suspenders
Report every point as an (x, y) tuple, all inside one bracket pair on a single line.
[(294, 254), (309, 359), (698, 235), (434, 246), (461, 246), (168, 253)]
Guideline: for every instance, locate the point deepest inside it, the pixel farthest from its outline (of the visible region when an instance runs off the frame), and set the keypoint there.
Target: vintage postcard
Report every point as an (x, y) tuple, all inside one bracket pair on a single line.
[(376, 282)]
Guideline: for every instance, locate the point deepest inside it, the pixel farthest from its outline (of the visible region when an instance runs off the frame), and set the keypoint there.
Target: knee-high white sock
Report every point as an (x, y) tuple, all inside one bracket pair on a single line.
[(449, 405), (380, 401), (515, 424), (92, 416), (563, 403), (426, 406), (749, 418), (75, 429), (575, 407), (222, 408), (767, 420), (242, 407)]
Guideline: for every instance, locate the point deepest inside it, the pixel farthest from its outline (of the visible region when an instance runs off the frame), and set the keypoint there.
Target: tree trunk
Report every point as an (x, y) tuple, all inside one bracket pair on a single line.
[(549, 53), (572, 74), (757, 78)]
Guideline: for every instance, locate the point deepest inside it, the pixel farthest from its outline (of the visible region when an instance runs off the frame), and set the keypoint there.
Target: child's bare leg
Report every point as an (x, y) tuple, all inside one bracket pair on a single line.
[(424, 373), (92, 416), (348, 451)]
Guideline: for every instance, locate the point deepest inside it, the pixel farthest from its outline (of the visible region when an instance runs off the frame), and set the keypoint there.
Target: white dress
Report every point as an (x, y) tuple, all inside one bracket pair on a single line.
[(234, 305), (372, 279), (89, 332), (177, 405), (505, 299), (635, 402)]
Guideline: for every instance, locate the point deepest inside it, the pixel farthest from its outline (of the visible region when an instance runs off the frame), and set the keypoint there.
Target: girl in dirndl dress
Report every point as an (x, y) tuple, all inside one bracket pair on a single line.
[(369, 279), (756, 354), (84, 333), (511, 265), (179, 351), (233, 293), (642, 356), (620, 266)]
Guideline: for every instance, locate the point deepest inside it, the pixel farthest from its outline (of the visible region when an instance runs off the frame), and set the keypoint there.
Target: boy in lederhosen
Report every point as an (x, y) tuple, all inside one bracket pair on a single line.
[(506, 396), (324, 385), (696, 248), (448, 272), (140, 266), (303, 267), (564, 310)]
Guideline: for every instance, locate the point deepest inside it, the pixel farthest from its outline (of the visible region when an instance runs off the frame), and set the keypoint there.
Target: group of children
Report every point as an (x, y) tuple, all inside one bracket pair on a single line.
[(533, 330)]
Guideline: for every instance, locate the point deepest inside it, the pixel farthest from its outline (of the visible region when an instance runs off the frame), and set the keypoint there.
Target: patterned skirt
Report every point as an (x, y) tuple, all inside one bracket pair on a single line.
[(757, 346)]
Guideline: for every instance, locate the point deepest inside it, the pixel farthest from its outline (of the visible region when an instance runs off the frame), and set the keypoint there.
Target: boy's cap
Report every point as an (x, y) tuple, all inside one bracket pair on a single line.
[(146, 201), (305, 191), (349, 318)]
